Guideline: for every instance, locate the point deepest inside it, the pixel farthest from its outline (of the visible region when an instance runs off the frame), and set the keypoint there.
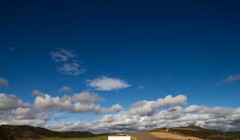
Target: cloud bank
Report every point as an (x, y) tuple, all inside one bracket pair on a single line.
[(165, 112), (170, 111)]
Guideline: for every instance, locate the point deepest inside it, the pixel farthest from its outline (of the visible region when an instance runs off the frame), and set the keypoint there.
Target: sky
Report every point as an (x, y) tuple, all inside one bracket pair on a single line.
[(113, 66)]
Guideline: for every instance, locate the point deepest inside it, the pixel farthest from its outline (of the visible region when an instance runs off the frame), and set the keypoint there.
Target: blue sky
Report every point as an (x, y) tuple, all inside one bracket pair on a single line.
[(138, 50)]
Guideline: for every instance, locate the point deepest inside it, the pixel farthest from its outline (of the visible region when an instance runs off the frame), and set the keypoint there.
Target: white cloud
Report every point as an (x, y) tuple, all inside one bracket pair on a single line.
[(85, 97), (14, 111), (149, 107), (3, 82), (22, 111), (65, 89), (62, 55), (73, 69), (172, 115), (107, 83), (114, 108), (79, 102), (8, 102), (169, 117), (170, 111)]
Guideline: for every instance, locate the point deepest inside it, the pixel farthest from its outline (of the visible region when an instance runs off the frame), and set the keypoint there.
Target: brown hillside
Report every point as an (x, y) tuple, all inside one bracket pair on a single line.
[(198, 132)]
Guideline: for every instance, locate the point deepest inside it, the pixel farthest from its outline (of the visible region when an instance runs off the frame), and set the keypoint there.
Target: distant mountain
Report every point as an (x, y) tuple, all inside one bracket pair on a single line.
[(185, 133), (199, 132), (25, 132)]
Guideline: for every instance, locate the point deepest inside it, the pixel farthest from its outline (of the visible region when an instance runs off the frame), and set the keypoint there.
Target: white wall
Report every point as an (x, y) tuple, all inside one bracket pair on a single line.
[(119, 138)]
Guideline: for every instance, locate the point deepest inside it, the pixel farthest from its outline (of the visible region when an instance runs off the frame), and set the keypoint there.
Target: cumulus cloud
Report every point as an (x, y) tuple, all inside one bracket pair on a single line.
[(86, 97), (79, 102), (149, 107), (65, 89), (73, 69), (116, 107), (8, 102), (3, 82), (107, 83), (14, 111)]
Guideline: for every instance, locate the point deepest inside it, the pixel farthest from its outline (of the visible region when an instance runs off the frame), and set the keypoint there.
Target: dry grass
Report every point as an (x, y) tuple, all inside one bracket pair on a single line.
[(167, 135), (143, 136)]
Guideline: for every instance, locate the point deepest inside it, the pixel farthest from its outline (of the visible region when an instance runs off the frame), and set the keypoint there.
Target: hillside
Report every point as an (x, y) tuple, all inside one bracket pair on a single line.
[(24, 132), (198, 132), (185, 133)]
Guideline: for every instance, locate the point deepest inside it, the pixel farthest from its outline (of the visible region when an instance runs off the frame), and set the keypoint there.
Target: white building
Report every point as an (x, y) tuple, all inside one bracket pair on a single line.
[(119, 138)]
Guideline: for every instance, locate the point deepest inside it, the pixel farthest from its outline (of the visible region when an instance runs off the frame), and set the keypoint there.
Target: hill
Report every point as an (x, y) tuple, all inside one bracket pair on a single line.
[(185, 133), (197, 133), (24, 132)]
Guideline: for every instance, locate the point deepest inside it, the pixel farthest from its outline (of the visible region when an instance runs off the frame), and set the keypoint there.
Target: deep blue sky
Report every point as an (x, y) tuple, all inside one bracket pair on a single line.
[(169, 47)]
